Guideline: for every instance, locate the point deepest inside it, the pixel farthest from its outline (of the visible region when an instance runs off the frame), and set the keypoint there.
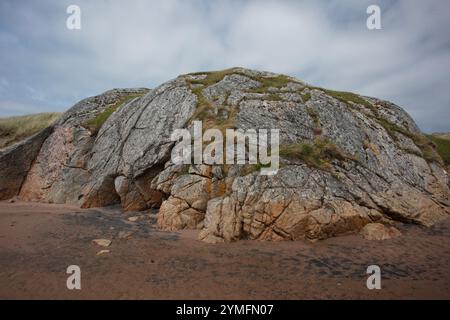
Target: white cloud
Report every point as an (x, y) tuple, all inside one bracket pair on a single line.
[(144, 43)]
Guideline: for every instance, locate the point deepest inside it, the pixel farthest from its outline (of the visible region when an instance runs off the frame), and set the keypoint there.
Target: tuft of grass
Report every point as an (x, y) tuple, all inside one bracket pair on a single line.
[(15, 129), (250, 168), (212, 77), (277, 82), (315, 116), (306, 97), (96, 123), (318, 154), (442, 147), (424, 143), (273, 97), (204, 110), (427, 147), (347, 96)]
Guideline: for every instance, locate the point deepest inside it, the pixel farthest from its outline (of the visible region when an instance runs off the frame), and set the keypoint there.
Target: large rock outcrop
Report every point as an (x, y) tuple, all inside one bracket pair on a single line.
[(347, 160)]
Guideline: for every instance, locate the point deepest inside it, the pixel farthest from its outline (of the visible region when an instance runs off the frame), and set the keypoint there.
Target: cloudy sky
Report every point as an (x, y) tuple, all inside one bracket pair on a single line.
[(46, 67)]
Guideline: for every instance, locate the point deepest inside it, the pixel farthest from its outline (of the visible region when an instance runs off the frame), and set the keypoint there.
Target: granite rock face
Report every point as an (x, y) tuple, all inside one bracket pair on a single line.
[(16, 161), (346, 160)]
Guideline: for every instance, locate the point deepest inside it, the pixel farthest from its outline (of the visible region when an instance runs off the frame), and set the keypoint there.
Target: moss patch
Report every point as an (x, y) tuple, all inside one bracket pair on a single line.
[(15, 129), (205, 110), (250, 168), (277, 82), (423, 142), (315, 116), (318, 154), (96, 123), (442, 147), (346, 97), (212, 77), (306, 97)]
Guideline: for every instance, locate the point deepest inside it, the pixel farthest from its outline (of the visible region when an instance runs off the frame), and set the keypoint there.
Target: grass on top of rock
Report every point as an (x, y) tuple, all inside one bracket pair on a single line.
[(212, 77), (306, 97), (205, 109), (443, 148), (250, 168), (424, 143), (317, 154), (346, 97), (276, 82), (426, 146), (314, 115), (15, 129), (96, 123)]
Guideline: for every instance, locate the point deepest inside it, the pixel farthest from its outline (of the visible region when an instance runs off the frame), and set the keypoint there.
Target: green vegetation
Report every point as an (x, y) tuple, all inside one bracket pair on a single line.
[(204, 110), (277, 82), (425, 145), (441, 135), (204, 107), (315, 154), (391, 128), (212, 77), (96, 123), (346, 97), (443, 148), (318, 154), (306, 97), (272, 97), (315, 116), (15, 129), (250, 168)]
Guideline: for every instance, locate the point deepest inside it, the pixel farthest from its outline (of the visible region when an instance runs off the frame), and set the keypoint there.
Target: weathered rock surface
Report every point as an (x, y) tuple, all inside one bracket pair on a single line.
[(60, 170), (379, 232), (367, 162)]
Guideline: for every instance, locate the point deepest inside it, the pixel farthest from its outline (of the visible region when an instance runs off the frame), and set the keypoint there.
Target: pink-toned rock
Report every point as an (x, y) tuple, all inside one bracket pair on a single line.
[(48, 166)]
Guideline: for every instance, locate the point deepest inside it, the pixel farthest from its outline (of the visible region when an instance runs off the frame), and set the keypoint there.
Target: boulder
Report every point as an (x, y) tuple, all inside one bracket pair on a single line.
[(347, 161), (378, 232)]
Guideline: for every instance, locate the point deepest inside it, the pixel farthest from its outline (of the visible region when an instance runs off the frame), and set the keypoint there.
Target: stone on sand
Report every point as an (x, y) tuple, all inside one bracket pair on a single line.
[(102, 252), (133, 219), (102, 242)]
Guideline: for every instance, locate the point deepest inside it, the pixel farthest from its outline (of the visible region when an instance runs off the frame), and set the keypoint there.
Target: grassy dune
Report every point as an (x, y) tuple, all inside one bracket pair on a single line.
[(442, 135), (442, 142), (14, 129)]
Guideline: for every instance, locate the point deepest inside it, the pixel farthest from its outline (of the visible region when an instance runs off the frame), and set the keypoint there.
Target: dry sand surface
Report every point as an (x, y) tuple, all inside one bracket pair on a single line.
[(39, 241)]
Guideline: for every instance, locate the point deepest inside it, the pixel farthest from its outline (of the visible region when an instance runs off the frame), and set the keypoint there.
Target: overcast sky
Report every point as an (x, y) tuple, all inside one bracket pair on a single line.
[(46, 67)]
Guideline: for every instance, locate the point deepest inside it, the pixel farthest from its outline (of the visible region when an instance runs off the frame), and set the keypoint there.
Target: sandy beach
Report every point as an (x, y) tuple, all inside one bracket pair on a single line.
[(39, 241)]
